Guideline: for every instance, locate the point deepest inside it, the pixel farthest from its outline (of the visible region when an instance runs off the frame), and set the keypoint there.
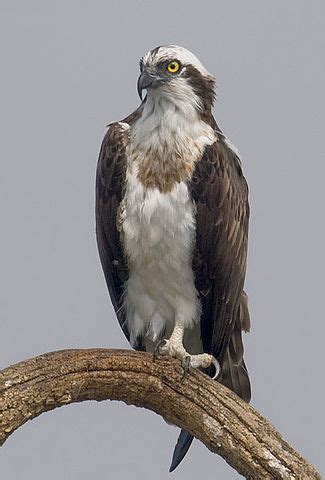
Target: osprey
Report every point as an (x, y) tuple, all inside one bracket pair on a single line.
[(172, 222)]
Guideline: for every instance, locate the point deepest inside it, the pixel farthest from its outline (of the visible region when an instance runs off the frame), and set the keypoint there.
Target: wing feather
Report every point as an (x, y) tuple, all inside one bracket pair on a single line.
[(110, 179), (220, 192), (110, 182)]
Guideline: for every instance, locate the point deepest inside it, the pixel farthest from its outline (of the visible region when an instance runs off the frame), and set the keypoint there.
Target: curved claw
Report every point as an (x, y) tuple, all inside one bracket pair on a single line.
[(186, 362), (158, 347), (216, 365)]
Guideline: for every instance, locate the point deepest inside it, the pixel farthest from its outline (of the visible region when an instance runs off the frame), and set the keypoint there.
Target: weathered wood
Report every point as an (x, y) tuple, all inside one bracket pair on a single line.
[(216, 416)]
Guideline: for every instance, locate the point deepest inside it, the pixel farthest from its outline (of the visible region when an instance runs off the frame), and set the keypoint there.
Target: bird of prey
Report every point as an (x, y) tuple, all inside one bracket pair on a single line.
[(172, 223)]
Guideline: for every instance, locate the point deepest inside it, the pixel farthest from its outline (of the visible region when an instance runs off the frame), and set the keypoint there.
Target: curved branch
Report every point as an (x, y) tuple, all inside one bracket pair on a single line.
[(211, 412)]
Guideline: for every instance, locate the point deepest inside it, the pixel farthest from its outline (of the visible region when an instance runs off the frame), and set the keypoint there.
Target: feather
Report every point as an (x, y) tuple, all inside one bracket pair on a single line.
[(183, 444), (110, 180), (221, 244)]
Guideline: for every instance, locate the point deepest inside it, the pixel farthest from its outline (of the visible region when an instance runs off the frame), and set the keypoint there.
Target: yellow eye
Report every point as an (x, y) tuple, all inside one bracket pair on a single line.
[(173, 66)]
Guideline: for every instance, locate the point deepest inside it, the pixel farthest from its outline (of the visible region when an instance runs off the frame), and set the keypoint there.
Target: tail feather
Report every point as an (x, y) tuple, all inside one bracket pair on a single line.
[(183, 444), (235, 377), (234, 373)]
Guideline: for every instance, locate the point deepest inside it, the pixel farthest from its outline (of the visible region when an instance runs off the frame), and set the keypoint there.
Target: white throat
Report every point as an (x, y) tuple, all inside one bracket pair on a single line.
[(171, 118)]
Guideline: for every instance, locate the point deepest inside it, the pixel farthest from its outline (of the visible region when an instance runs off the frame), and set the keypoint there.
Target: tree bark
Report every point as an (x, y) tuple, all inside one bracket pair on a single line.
[(211, 412)]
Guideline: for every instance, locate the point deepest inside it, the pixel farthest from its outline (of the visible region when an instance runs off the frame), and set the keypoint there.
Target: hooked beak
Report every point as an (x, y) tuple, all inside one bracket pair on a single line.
[(145, 81)]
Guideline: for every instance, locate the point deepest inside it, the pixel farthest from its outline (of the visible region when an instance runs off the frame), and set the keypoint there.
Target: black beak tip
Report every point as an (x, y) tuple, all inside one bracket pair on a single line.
[(144, 82), (140, 91)]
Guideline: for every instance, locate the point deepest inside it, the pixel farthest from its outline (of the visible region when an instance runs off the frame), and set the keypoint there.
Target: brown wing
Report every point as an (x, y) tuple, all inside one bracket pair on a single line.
[(221, 196), (110, 180)]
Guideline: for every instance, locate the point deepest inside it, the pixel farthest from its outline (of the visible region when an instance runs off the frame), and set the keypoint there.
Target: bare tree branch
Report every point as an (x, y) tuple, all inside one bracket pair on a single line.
[(216, 416)]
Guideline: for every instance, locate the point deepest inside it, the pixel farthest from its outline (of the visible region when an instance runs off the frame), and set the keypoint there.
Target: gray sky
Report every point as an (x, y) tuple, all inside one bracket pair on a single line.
[(68, 69)]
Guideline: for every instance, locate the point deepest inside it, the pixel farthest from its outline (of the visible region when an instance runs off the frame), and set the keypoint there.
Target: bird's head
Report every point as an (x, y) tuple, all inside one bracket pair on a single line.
[(176, 74)]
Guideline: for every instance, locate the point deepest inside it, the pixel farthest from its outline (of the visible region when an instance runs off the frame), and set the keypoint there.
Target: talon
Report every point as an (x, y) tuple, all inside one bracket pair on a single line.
[(186, 362), (216, 365), (158, 346)]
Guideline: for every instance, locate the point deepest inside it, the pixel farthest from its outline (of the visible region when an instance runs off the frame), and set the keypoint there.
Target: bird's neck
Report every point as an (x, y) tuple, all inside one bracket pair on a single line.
[(167, 141)]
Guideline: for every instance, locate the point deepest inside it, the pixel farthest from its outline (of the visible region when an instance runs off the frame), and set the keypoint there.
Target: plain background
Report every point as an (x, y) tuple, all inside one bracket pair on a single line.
[(67, 70)]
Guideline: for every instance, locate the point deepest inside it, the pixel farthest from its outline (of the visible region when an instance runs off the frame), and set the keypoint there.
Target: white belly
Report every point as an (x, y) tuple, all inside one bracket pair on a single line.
[(159, 235)]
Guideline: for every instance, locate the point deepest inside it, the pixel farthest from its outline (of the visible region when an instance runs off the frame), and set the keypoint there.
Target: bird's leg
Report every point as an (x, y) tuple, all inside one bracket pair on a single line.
[(175, 348)]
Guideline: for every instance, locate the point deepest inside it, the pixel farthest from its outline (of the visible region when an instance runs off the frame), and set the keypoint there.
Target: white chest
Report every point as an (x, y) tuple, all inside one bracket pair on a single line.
[(158, 228), (158, 236)]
